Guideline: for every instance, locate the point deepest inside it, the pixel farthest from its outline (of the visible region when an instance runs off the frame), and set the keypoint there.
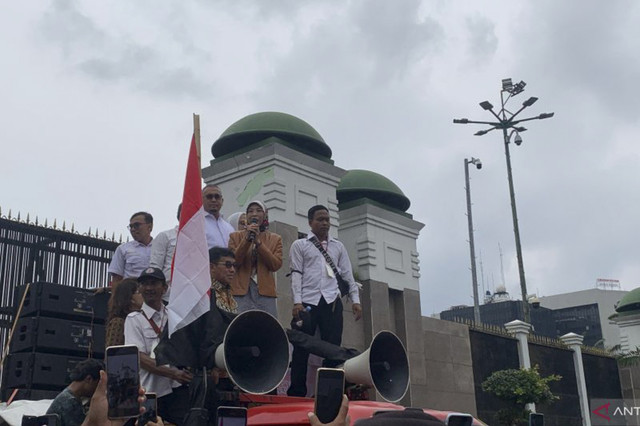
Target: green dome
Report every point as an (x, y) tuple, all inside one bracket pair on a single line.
[(357, 184), (256, 128), (630, 302)]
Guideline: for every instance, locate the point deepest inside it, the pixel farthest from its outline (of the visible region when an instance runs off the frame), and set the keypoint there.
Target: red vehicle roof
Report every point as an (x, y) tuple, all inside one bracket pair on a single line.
[(295, 412)]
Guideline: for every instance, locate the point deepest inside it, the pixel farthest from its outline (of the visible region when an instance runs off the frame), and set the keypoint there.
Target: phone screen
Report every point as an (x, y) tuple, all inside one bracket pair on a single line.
[(458, 419), (329, 391), (150, 409), (123, 381), (232, 416), (536, 419), (46, 420)]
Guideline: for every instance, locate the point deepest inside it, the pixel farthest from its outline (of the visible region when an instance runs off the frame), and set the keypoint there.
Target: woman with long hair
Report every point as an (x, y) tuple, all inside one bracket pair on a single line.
[(125, 298)]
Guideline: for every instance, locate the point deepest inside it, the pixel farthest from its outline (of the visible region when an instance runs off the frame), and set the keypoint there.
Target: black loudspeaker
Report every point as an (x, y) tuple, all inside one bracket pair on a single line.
[(255, 352), (384, 365), (39, 370), (62, 301), (59, 336)]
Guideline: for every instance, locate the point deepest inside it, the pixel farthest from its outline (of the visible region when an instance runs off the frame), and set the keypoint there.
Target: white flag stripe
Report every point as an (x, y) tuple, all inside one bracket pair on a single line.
[(191, 276)]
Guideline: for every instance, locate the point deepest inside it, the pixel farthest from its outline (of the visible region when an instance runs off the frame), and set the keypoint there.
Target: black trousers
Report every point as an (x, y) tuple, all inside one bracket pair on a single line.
[(174, 406), (327, 317)]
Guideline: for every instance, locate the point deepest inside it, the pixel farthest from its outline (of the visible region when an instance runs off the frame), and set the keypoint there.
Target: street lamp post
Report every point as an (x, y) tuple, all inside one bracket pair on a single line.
[(472, 250), (507, 120)]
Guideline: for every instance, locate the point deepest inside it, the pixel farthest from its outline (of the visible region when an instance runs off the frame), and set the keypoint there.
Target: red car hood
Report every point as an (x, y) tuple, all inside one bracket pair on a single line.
[(295, 413)]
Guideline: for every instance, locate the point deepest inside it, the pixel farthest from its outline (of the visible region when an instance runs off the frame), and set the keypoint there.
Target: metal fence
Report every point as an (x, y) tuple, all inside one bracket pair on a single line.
[(30, 252)]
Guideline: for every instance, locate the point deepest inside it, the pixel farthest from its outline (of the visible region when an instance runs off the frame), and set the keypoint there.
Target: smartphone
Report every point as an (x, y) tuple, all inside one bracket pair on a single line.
[(329, 391), (459, 419), (232, 416), (46, 420), (123, 381), (536, 419), (150, 409)]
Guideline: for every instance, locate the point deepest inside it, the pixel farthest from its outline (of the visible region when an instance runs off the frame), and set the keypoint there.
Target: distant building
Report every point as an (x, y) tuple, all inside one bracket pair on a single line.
[(499, 309), (586, 312), (583, 312)]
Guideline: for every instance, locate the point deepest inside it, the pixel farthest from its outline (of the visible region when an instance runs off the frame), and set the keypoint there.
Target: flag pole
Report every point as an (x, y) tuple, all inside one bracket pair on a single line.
[(191, 280), (196, 133)]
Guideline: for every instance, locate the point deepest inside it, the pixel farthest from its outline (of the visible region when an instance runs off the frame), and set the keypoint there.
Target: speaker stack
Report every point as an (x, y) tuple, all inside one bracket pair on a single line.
[(57, 327)]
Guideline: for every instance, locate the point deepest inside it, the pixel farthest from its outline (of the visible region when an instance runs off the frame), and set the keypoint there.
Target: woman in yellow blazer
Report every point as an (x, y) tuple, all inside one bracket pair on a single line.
[(258, 255)]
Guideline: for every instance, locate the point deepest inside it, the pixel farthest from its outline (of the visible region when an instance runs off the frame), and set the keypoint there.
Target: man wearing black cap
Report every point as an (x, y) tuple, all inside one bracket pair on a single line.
[(143, 328)]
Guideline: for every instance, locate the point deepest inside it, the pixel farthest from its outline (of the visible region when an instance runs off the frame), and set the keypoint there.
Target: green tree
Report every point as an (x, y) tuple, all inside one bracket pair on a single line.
[(519, 387)]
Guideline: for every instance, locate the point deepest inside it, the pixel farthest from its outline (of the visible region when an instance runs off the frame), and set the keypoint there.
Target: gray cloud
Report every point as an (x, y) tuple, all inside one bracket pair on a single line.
[(585, 48), (64, 24), (117, 58), (394, 35), (482, 41)]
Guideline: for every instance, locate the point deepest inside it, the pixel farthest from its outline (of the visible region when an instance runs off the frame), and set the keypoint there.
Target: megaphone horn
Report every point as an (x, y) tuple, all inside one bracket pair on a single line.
[(254, 352), (384, 366)]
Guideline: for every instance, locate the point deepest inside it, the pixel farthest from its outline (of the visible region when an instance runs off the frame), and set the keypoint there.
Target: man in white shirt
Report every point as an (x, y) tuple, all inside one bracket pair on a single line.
[(216, 228), (315, 287), (163, 247), (143, 328), (132, 257)]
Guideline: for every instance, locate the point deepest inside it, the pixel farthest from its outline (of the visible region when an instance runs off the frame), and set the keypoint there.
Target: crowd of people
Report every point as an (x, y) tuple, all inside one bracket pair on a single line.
[(244, 256)]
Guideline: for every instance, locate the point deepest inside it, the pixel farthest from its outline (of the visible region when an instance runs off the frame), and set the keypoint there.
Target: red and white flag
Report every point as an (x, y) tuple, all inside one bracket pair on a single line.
[(191, 279)]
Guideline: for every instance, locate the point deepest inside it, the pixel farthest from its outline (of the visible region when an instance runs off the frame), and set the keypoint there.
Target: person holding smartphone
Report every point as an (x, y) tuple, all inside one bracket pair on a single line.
[(143, 329), (69, 403), (97, 415)]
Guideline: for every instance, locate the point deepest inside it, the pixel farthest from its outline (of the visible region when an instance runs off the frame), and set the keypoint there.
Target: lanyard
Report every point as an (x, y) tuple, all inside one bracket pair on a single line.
[(153, 324)]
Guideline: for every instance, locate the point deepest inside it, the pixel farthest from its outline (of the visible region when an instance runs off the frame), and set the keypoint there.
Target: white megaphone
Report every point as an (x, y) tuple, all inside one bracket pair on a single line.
[(254, 352), (384, 366)]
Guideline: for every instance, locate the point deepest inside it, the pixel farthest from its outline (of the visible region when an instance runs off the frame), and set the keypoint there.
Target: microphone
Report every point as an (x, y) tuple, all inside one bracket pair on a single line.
[(252, 235)]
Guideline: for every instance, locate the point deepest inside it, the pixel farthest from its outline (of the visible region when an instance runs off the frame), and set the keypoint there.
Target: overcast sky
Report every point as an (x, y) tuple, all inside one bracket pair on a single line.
[(97, 99)]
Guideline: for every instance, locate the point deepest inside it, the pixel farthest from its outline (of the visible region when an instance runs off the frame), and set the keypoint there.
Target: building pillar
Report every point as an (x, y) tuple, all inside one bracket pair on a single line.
[(521, 330), (574, 342)]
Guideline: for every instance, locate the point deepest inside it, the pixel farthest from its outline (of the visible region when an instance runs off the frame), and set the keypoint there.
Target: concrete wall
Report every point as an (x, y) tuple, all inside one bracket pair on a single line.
[(283, 283), (381, 245), (449, 381), (630, 383)]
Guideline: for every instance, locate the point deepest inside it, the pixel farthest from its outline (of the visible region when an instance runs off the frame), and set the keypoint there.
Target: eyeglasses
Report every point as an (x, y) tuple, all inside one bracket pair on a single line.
[(228, 264), (135, 225), (213, 196)]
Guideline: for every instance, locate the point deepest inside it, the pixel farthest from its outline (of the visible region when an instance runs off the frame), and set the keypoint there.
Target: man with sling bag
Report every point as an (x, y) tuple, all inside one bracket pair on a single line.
[(316, 263)]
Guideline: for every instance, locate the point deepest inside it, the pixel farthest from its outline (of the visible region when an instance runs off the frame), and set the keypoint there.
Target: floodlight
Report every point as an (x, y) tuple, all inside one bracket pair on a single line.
[(460, 120), (545, 115), (518, 88), (486, 105), (532, 100)]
